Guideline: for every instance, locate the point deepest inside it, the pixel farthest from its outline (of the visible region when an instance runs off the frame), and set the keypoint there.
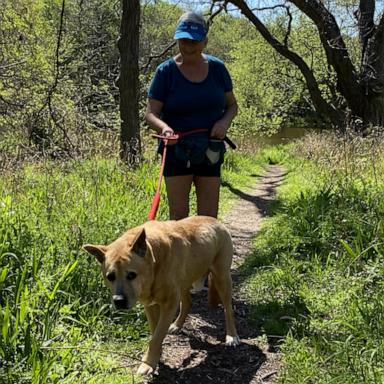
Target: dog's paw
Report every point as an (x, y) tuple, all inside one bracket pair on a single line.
[(232, 341), (145, 369), (174, 329)]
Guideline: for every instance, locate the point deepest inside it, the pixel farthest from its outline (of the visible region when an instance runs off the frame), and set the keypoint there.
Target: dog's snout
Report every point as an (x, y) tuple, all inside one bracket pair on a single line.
[(120, 301)]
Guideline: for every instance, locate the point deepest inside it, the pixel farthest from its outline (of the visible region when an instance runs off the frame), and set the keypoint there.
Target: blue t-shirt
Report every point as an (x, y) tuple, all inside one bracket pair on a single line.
[(189, 105)]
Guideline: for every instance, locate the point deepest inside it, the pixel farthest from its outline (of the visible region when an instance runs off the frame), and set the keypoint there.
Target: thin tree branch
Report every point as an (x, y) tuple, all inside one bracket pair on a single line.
[(157, 55), (268, 8), (286, 37), (212, 15), (12, 65)]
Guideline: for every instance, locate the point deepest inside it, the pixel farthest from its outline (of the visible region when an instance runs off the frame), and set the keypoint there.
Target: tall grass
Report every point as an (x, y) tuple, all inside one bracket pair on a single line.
[(50, 290), (316, 274), (56, 321)]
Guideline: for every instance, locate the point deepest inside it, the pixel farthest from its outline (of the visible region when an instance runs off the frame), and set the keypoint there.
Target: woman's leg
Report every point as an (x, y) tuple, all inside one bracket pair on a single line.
[(178, 189), (207, 191)]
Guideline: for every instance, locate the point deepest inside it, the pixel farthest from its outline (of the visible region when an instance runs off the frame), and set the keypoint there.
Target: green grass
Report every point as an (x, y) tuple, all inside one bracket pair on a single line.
[(56, 321), (315, 277)]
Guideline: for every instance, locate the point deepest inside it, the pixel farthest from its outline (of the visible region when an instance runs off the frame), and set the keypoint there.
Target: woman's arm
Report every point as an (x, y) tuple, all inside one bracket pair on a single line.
[(152, 116), (221, 126)]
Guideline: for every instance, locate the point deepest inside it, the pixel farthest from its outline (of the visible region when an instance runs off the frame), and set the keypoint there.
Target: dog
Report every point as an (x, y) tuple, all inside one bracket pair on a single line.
[(157, 263)]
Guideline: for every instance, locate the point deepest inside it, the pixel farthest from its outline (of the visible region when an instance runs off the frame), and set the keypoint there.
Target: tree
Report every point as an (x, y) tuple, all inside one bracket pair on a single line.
[(128, 82), (360, 84)]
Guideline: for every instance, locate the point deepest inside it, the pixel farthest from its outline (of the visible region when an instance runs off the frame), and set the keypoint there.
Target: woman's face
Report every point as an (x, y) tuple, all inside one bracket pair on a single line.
[(189, 47)]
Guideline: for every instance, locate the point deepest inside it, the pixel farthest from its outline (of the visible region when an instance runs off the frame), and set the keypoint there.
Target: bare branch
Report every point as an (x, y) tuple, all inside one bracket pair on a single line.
[(269, 8), (12, 65), (335, 49), (319, 102), (286, 37), (16, 104), (212, 14), (157, 55)]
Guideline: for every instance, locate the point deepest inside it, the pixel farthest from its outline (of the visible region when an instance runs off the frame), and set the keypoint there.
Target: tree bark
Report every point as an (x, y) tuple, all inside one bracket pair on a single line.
[(372, 63), (367, 27), (128, 44)]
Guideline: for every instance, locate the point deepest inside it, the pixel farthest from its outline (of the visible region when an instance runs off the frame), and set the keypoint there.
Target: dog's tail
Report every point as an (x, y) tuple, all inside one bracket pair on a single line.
[(213, 295)]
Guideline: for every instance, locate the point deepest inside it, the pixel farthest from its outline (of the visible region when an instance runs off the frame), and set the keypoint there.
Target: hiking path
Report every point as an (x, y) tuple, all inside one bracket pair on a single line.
[(198, 354)]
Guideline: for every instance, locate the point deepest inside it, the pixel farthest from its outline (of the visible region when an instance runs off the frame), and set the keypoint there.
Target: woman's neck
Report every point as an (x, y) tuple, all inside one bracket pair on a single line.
[(189, 60)]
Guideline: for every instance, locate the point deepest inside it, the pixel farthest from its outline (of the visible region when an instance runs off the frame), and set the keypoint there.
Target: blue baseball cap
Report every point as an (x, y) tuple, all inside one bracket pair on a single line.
[(189, 28)]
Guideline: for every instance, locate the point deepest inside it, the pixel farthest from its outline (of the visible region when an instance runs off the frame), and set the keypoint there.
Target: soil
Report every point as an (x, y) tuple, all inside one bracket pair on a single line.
[(198, 354)]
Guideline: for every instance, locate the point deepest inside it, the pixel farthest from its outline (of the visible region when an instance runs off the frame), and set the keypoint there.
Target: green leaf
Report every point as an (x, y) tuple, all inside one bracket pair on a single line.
[(348, 249), (6, 322)]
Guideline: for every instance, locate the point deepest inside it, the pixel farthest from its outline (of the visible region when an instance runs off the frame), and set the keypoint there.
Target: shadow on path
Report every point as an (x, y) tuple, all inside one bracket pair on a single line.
[(199, 355)]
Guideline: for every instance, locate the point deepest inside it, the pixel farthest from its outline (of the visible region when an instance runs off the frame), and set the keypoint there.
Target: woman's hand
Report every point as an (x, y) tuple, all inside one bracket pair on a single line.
[(152, 115), (221, 126), (220, 129), (168, 131)]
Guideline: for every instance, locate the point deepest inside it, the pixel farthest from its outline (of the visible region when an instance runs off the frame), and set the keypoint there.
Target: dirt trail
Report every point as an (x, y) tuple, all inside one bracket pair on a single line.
[(198, 354)]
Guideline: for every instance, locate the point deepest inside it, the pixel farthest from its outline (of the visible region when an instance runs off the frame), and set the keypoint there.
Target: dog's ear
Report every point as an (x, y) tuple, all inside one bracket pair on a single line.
[(139, 244), (96, 250)]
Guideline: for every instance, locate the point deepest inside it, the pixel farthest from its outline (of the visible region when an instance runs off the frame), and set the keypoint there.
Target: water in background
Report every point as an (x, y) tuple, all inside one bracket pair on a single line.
[(286, 135)]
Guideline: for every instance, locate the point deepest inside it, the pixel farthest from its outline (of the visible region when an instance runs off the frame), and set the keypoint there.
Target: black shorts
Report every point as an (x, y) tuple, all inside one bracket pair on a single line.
[(173, 167)]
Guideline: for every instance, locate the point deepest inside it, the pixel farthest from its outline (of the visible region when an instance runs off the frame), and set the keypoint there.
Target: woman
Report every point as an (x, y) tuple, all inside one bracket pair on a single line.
[(188, 92)]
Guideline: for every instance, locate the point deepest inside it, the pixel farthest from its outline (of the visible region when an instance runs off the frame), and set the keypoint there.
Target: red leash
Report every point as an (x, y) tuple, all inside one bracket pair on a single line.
[(156, 198)]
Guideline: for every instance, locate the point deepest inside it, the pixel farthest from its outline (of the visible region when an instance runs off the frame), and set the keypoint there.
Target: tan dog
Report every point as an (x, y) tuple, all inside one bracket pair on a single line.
[(157, 263)]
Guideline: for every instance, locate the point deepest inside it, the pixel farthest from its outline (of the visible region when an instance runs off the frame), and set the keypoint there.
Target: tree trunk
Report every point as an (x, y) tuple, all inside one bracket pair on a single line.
[(372, 71), (128, 44)]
